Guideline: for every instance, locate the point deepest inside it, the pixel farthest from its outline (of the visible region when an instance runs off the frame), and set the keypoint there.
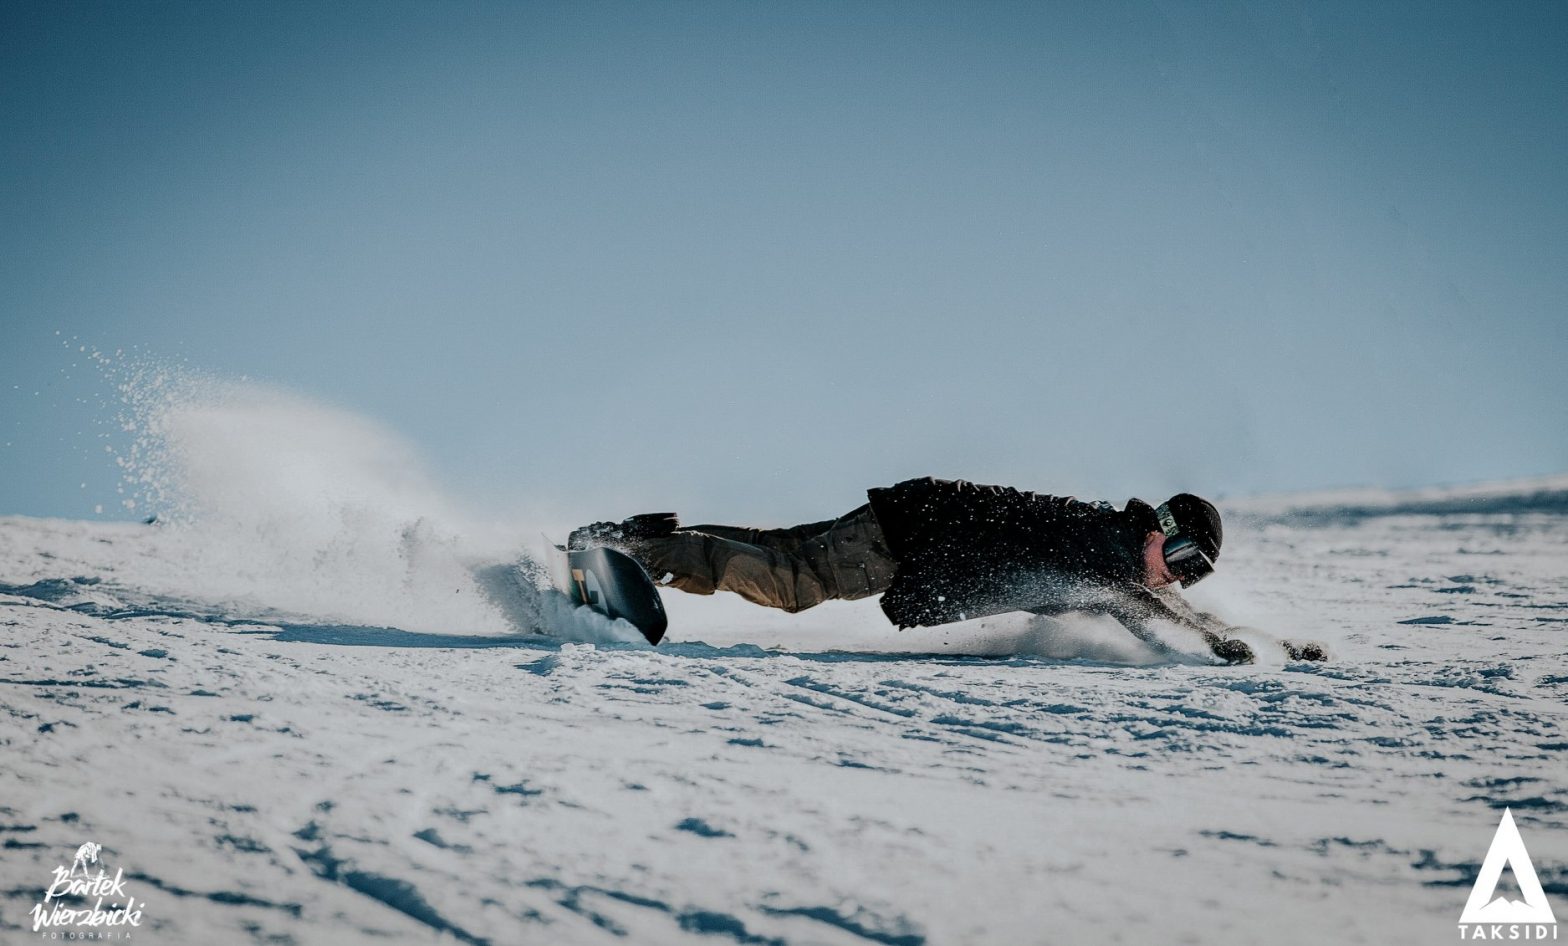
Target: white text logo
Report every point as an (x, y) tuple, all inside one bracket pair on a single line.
[(56, 920), (1492, 915)]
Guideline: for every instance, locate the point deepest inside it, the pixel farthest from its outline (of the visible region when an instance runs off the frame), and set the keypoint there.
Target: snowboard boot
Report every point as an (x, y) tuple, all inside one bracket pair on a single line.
[(626, 535)]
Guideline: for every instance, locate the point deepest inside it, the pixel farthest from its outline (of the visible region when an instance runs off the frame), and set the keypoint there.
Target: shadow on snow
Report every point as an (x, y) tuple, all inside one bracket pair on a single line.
[(288, 629)]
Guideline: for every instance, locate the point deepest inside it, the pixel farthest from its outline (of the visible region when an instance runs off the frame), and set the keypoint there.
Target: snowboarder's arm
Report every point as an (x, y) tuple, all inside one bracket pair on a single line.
[(1140, 606), (1144, 605)]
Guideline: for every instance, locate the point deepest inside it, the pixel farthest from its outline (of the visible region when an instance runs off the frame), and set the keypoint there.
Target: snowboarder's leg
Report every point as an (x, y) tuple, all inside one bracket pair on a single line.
[(854, 553), (793, 569), (789, 541), (702, 563)]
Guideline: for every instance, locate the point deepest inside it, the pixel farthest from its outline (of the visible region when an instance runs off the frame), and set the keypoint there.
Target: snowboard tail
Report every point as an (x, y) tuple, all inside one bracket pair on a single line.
[(612, 583)]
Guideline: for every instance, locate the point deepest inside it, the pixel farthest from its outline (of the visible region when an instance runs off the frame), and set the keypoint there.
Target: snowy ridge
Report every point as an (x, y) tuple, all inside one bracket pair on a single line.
[(1546, 494)]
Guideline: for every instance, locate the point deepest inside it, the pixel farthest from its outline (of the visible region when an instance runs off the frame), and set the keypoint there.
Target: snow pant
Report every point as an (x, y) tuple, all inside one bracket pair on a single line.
[(793, 569)]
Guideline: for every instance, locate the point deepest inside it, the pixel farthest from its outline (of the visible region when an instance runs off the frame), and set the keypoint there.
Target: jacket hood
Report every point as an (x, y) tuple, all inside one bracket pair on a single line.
[(1141, 514)]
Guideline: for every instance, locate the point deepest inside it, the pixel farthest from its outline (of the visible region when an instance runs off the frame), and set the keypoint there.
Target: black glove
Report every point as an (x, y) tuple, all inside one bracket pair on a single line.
[(1231, 650), (1305, 650)]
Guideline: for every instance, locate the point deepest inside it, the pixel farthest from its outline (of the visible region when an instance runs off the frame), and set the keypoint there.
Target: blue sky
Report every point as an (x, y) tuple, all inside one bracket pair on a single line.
[(744, 260)]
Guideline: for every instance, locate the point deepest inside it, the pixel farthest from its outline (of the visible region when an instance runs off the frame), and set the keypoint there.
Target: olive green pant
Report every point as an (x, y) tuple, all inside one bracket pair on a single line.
[(793, 569)]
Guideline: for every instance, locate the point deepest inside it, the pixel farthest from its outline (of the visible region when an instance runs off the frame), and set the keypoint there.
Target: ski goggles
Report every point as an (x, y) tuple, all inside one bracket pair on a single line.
[(1186, 561), (1182, 556)]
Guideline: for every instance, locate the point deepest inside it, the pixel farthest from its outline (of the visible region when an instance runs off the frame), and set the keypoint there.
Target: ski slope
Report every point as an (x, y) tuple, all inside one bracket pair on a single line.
[(401, 762)]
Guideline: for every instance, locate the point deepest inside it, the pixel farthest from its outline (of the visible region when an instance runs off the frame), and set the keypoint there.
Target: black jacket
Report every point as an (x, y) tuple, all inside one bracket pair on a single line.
[(968, 551)]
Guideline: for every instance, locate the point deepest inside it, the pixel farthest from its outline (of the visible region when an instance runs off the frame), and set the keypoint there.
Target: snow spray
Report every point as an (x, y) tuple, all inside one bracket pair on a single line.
[(266, 501)]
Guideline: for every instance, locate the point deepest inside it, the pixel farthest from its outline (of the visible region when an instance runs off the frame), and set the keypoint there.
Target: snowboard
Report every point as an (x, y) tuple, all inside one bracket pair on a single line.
[(612, 583)]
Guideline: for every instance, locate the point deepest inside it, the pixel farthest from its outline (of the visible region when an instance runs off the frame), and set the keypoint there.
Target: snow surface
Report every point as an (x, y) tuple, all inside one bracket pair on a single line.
[(270, 767)]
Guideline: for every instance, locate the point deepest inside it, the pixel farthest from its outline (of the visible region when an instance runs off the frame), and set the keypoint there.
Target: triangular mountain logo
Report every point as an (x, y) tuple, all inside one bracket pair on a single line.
[(1486, 905)]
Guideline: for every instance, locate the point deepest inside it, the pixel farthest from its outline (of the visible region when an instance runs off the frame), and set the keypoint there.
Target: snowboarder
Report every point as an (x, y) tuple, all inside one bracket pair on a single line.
[(940, 551)]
